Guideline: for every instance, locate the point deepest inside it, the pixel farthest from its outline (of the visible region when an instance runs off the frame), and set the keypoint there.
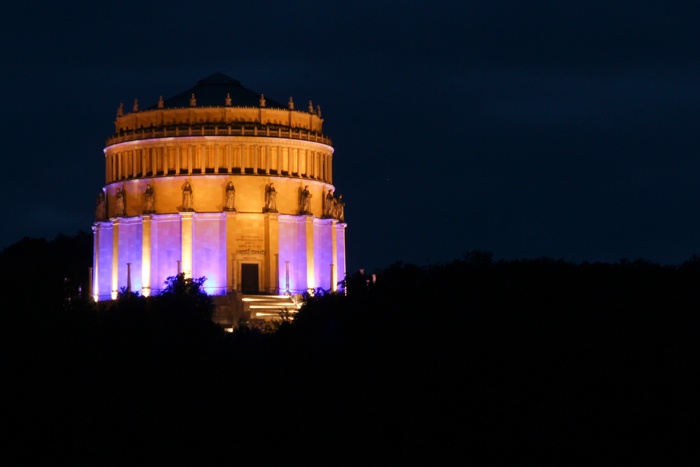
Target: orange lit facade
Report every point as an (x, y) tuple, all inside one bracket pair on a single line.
[(219, 182)]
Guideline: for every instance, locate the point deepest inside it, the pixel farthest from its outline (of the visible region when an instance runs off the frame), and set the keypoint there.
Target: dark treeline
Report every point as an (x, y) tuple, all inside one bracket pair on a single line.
[(487, 359)]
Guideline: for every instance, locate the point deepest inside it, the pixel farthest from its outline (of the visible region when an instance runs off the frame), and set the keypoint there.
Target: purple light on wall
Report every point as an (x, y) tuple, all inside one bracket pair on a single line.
[(209, 255)]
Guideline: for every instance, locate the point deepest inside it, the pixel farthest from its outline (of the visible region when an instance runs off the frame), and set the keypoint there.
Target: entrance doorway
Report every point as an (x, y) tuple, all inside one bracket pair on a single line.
[(249, 278)]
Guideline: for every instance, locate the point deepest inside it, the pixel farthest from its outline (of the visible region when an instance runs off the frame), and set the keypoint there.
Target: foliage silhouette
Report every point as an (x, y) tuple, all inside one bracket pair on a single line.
[(524, 355)]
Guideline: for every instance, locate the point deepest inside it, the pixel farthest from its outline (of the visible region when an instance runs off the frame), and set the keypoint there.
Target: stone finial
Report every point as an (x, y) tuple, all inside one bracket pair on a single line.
[(291, 104), (136, 105), (311, 107), (160, 102), (120, 110), (318, 111), (262, 100), (193, 101), (228, 99)]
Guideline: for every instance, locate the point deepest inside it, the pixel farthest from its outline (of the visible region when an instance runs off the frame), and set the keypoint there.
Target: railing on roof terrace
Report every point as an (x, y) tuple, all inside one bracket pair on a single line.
[(216, 129)]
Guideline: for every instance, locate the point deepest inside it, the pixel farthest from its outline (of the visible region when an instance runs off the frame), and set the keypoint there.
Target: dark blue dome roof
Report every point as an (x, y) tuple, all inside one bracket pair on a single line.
[(212, 91)]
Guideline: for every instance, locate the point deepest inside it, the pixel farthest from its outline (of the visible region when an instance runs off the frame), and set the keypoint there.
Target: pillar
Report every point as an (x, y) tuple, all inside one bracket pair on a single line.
[(189, 159), (146, 257), (310, 279), (230, 250), (95, 260), (334, 258), (279, 160), (256, 159), (187, 243), (115, 258), (272, 250), (198, 156), (242, 158), (178, 158)]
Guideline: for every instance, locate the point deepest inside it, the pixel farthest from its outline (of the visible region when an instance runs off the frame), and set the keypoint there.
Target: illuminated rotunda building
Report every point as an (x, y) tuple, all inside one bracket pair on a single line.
[(220, 182)]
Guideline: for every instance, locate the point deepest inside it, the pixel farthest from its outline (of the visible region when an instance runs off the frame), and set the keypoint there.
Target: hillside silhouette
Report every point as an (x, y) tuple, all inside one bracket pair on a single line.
[(493, 360)]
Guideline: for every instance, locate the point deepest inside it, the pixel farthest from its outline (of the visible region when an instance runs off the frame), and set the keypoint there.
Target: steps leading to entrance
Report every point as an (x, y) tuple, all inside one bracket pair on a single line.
[(269, 307)]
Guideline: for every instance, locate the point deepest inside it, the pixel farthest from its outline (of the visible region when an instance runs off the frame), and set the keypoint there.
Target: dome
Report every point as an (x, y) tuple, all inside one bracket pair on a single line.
[(212, 91)]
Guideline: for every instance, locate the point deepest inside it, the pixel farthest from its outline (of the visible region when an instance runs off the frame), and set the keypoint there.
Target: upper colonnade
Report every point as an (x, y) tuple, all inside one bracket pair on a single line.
[(218, 127)]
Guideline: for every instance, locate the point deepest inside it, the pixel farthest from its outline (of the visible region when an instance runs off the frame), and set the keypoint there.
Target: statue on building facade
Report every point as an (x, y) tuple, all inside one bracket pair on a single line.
[(230, 197), (160, 102), (328, 204), (340, 209), (119, 211), (120, 110), (270, 199), (305, 201), (262, 100), (136, 105), (100, 208), (193, 101), (149, 200), (187, 202), (290, 104), (228, 99)]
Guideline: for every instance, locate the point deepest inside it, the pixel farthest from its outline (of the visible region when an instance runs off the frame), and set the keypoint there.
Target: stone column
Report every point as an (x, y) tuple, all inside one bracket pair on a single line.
[(216, 159), (115, 258), (267, 159), (189, 159), (310, 279), (334, 258), (154, 161), (95, 261), (146, 257), (242, 158), (187, 226), (272, 250), (178, 157), (256, 159), (279, 160), (230, 250)]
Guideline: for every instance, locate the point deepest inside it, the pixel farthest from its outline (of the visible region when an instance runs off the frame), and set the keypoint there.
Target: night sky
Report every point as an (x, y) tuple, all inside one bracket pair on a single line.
[(540, 128)]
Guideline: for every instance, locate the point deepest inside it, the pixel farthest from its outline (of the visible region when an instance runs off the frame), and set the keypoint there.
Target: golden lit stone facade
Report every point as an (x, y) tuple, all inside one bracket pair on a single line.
[(223, 183)]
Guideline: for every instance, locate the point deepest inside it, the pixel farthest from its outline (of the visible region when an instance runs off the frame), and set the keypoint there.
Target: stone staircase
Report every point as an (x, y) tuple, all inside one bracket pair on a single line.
[(269, 307)]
